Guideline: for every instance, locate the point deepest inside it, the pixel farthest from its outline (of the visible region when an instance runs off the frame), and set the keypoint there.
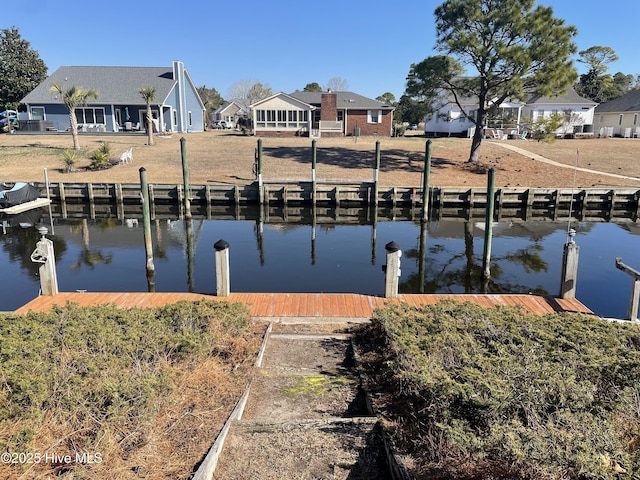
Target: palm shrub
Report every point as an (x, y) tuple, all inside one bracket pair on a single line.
[(69, 157), (100, 157)]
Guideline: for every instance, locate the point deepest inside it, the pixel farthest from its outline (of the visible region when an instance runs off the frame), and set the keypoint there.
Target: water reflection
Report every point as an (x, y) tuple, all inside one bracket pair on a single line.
[(320, 250)]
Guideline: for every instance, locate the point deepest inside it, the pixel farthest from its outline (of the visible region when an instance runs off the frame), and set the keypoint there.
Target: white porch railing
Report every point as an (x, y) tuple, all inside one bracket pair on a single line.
[(329, 126)]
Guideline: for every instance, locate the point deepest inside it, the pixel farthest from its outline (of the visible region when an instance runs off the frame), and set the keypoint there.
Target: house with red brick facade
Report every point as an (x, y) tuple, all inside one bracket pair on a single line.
[(317, 114)]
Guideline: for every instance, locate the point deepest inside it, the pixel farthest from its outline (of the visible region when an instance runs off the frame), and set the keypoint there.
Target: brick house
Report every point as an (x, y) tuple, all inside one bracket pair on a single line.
[(319, 114)]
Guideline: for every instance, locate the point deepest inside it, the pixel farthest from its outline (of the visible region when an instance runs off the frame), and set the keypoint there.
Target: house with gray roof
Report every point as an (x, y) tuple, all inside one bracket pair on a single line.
[(319, 114), (619, 117), (119, 106)]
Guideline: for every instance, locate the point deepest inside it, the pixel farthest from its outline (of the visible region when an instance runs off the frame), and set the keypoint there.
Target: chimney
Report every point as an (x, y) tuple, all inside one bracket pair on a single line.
[(328, 107)]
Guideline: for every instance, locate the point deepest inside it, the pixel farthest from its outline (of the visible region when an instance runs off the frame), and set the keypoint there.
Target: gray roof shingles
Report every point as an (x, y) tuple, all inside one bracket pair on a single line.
[(348, 100), (626, 103), (115, 85)]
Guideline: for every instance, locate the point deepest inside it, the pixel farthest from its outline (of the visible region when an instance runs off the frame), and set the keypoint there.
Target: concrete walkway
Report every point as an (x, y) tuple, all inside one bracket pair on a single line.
[(540, 158), (305, 415)]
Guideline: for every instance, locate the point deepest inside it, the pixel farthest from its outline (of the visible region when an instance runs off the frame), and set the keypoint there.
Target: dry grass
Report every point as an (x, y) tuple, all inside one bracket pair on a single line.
[(220, 157)]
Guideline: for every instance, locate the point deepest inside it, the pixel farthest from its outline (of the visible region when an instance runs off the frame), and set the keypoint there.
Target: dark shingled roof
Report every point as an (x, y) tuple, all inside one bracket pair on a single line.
[(626, 103), (115, 85), (348, 100)]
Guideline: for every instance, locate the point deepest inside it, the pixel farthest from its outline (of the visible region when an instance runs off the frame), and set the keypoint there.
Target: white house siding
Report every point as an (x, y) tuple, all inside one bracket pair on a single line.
[(581, 114), (277, 119)]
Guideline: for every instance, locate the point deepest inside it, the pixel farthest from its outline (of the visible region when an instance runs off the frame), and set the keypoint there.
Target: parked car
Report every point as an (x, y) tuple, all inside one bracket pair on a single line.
[(413, 126), (218, 125)]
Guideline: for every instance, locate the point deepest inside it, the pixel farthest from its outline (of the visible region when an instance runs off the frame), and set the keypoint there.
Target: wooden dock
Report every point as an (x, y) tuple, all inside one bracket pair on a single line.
[(306, 304)]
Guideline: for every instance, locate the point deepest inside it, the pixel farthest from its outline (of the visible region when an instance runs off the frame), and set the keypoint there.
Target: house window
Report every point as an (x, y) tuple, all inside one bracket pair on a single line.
[(620, 119), (374, 116), (601, 119), (340, 116), (635, 118), (281, 118), (37, 113), (190, 117), (175, 117), (90, 115)]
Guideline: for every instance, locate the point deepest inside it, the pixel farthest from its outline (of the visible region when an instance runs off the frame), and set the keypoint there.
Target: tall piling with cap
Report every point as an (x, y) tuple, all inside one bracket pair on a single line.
[(44, 254), (259, 171), (313, 171), (376, 175), (223, 283), (426, 178), (392, 270), (570, 255), (146, 220), (488, 224)]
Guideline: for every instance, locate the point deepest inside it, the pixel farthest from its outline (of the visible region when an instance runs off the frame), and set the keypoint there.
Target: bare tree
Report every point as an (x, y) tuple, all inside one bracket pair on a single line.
[(247, 92), (337, 84)]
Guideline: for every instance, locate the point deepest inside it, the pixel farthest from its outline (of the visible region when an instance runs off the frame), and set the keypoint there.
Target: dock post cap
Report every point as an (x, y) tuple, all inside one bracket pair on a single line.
[(392, 247), (221, 245)]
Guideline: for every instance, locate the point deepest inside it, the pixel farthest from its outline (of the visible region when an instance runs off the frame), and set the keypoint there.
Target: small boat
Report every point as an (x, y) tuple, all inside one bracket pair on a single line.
[(20, 198)]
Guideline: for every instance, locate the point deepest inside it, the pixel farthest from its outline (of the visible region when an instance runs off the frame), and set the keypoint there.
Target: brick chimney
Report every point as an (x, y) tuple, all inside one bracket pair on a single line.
[(328, 107)]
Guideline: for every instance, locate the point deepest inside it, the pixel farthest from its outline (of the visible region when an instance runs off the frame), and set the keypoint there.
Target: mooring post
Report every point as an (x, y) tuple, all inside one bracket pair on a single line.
[(376, 173), (146, 219), (570, 255), (392, 270), (488, 224), (422, 254), (222, 268), (259, 172), (185, 177), (44, 254), (313, 171), (425, 182), (635, 288)]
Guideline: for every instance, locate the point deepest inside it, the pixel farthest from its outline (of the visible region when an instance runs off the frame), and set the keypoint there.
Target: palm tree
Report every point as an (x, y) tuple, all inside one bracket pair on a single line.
[(149, 95), (74, 97)]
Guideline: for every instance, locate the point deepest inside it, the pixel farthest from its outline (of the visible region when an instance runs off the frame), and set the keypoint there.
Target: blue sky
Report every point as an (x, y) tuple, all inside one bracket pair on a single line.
[(284, 44)]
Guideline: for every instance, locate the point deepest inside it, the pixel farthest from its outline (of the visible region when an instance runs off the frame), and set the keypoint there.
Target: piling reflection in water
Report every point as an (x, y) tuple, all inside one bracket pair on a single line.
[(303, 249)]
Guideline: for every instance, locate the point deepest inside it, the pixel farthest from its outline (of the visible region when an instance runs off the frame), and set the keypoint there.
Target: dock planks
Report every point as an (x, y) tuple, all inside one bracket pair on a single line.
[(304, 304)]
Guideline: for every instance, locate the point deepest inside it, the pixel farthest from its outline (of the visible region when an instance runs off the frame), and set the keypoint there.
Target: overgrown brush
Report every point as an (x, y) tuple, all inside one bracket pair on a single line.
[(497, 393), (96, 377)]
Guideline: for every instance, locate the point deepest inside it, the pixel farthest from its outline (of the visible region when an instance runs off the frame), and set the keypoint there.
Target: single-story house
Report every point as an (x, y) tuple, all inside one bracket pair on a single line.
[(512, 115), (619, 117), (319, 114), (229, 112), (119, 106)]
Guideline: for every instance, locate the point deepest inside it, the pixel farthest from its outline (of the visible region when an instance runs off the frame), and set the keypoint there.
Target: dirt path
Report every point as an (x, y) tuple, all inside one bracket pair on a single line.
[(540, 158), (305, 417)]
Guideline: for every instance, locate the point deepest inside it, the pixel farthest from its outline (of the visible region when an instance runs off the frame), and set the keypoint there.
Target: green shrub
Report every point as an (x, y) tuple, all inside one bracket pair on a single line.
[(497, 393), (94, 365), (69, 157), (100, 158)]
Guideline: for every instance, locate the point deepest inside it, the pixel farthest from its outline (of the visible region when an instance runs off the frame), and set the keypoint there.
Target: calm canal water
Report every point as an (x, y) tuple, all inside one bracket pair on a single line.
[(273, 255)]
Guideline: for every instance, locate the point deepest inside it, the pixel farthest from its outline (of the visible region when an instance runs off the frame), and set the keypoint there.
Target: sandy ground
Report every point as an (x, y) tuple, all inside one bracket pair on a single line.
[(227, 157)]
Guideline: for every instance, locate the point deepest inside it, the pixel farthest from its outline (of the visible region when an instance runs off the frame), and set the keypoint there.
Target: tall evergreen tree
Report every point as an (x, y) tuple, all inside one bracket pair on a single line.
[(507, 46), (21, 68)]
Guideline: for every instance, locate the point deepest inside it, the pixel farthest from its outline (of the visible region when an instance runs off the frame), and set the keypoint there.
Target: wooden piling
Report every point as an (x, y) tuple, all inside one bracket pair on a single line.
[(488, 224), (146, 219), (425, 182), (185, 177)]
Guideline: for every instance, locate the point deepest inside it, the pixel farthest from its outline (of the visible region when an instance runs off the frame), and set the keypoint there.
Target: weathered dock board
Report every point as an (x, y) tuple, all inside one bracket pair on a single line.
[(305, 304)]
